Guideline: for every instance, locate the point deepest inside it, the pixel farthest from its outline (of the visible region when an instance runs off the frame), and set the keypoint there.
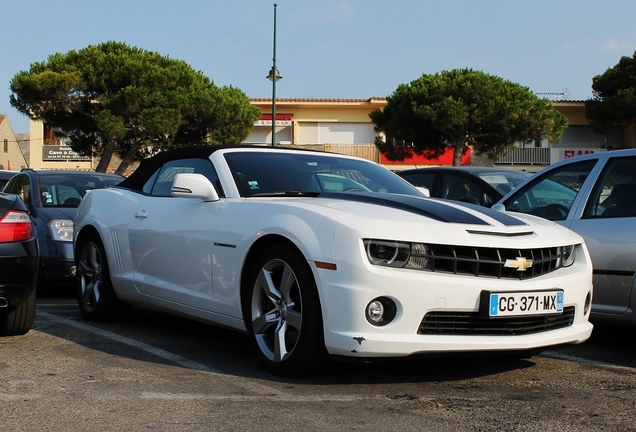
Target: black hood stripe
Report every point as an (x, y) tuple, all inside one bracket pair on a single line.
[(425, 207)]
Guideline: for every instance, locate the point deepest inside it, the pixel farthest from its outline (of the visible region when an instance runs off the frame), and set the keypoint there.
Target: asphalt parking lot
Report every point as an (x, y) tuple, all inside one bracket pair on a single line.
[(158, 372)]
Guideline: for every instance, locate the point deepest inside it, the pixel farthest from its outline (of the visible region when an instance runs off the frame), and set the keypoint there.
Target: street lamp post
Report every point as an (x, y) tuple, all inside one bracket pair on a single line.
[(274, 76)]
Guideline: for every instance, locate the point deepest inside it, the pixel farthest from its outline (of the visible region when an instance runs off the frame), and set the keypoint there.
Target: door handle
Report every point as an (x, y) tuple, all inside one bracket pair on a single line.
[(141, 214)]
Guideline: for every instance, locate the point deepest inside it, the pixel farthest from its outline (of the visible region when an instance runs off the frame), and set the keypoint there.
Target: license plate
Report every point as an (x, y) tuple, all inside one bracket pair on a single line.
[(525, 303)]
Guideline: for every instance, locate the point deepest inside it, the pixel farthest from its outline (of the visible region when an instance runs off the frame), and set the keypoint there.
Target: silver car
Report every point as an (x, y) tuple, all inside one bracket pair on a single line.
[(595, 196)]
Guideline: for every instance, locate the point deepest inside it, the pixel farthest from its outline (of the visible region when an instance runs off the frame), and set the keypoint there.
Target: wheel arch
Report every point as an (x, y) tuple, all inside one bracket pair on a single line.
[(84, 232), (256, 250)]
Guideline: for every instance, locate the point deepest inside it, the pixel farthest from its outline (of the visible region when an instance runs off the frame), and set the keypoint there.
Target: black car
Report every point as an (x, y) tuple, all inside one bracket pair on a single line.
[(18, 267), (5, 176), (52, 197), (476, 185)]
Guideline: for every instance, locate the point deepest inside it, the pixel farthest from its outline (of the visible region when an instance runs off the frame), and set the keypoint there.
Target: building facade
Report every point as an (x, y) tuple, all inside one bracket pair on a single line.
[(47, 151), (11, 156), (344, 126)]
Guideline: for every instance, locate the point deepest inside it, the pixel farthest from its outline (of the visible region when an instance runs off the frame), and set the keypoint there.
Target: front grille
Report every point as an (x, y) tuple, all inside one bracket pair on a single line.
[(472, 323), (489, 262)]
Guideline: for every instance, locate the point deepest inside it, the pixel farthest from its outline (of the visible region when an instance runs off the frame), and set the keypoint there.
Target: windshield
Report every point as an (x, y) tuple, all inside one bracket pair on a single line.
[(278, 173), (505, 181), (551, 195), (68, 190)]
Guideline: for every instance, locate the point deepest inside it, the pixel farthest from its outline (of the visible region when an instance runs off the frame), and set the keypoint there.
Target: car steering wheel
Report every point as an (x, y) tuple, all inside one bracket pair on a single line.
[(552, 211)]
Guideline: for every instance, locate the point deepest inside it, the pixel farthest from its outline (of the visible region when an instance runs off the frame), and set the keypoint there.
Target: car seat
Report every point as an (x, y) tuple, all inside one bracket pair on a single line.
[(456, 191), (623, 198)]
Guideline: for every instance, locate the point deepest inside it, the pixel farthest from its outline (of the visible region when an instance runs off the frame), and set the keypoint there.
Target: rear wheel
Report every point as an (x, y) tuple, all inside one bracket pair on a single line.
[(282, 314), (95, 294), (19, 320)]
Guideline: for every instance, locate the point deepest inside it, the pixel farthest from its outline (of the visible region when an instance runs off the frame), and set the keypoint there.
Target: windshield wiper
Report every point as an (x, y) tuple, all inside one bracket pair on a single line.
[(290, 193)]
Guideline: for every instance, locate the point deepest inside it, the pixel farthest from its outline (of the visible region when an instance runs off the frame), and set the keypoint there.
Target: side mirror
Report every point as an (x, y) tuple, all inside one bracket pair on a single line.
[(424, 190), (498, 207), (193, 186)]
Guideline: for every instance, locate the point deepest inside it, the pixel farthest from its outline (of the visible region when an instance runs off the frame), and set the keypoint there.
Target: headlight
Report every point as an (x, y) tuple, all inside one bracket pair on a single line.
[(391, 253), (61, 230), (567, 255)]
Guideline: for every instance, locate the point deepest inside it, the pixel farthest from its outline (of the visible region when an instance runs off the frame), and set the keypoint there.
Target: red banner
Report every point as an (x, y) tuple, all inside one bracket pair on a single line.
[(445, 159)]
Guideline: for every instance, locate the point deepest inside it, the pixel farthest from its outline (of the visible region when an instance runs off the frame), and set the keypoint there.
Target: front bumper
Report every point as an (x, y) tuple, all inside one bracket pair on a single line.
[(59, 266), (346, 292)]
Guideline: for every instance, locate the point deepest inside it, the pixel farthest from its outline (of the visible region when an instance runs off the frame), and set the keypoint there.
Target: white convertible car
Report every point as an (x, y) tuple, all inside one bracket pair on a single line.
[(319, 256)]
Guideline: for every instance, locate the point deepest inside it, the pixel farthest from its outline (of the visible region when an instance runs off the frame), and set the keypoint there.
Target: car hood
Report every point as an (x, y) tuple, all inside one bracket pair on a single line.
[(435, 209), (436, 220)]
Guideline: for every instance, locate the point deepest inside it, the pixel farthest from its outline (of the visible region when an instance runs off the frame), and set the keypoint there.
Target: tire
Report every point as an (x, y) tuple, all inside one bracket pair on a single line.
[(282, 314), (95, 293), (19, 320)]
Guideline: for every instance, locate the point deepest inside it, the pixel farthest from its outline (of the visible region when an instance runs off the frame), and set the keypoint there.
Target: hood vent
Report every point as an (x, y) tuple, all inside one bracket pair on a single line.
[(501, 234)]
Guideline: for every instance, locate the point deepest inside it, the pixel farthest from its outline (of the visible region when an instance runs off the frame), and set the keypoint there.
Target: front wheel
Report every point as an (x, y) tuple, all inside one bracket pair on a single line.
[(95, 294), (282, 314)]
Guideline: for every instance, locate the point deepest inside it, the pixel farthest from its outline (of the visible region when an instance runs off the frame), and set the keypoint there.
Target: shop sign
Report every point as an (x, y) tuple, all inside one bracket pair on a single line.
[(61, 153)]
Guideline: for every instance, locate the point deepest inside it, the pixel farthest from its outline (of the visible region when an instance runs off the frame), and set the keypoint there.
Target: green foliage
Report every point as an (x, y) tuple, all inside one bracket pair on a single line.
[(460, 108), (112, 98), (613, 101)]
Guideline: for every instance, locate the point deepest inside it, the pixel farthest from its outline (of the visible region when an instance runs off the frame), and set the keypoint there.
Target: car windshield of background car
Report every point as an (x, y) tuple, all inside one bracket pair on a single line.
[(504, 181), (551, 195)]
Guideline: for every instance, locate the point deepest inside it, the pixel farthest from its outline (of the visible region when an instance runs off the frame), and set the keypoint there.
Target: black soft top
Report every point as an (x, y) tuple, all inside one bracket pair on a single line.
[(147, 167)]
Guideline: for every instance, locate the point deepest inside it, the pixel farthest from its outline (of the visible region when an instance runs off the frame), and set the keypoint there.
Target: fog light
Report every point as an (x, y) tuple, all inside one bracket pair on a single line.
[(375, 311), (380, 311), (588, 303)]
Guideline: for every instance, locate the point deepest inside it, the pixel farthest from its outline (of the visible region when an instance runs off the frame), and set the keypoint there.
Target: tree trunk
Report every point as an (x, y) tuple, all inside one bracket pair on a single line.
[(107, 155), (458, 151), (127, 160)]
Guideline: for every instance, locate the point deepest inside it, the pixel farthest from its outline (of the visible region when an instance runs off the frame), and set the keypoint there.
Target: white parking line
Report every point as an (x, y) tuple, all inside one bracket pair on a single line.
[(56, 305), (559, 356), (262, 392), (175, 358), (181, 361), (248, 398)]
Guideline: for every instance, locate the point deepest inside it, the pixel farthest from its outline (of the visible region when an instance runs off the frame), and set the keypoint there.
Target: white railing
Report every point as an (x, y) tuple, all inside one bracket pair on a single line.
[(542, 155), (526, 156)]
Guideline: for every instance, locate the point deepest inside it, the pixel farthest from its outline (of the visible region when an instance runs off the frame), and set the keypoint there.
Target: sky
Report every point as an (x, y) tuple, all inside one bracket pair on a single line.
[(350, 49)]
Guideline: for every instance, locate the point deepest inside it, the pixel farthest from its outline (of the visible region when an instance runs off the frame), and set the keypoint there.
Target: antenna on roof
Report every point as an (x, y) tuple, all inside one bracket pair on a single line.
[(564, 94)]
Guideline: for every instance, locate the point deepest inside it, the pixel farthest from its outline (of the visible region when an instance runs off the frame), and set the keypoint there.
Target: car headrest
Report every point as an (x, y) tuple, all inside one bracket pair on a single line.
[(624, 194)]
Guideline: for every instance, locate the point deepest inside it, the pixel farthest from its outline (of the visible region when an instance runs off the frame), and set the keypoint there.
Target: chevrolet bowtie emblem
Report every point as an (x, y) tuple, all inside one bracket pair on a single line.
[(521, 264)]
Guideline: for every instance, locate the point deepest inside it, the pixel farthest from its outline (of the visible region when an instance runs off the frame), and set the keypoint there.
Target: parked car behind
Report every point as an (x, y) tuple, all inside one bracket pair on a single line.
[(477, 185), (18, 267), (52, 197), (594, 195), (5, 176), (318, 256)]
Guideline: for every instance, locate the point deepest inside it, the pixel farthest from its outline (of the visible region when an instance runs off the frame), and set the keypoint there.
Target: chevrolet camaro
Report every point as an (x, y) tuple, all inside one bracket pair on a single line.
[(319, 256)]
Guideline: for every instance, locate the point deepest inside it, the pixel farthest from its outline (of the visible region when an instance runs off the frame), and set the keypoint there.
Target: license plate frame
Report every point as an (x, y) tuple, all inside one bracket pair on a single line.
[(506, 304)]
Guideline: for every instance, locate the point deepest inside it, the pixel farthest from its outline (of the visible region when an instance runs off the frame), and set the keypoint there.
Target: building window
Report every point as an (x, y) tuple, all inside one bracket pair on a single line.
[(6, 146)]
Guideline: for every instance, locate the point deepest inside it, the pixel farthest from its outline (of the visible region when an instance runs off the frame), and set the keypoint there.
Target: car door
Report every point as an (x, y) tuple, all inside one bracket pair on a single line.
[(576, 195), (21, 186), (421, 178), (608, 223), (171, 241)]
